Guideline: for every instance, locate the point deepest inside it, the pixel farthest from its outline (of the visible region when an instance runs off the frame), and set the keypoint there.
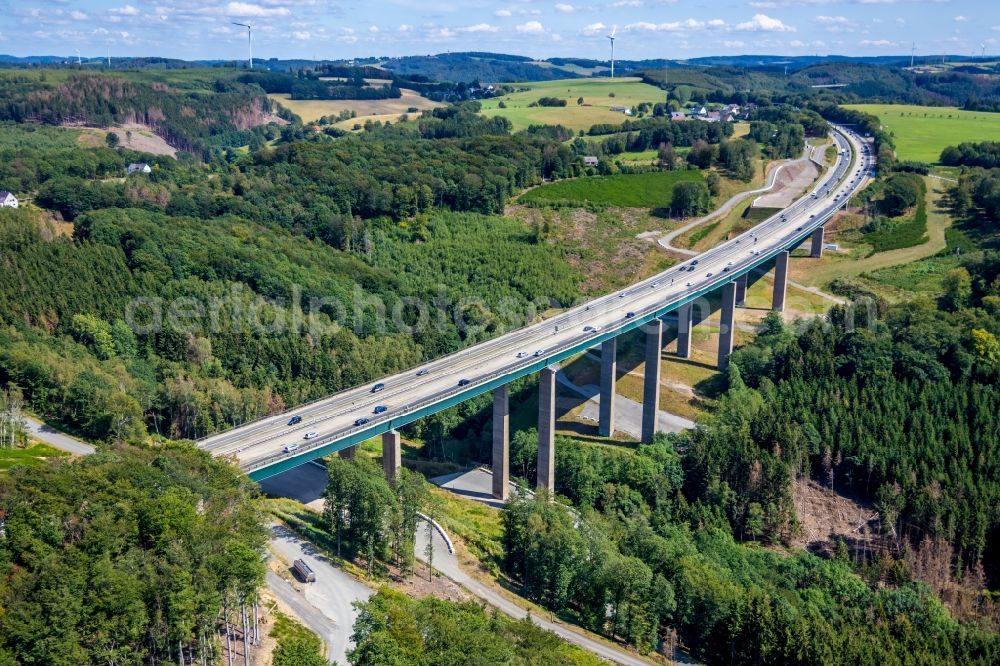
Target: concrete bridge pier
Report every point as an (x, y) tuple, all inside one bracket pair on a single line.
[(547, 429), (609, 372), (501, 443), (816, 247), (728, 324), (741, 290), (651, 379), (391, 454), (684, 331), (348, 453), (780, 282)]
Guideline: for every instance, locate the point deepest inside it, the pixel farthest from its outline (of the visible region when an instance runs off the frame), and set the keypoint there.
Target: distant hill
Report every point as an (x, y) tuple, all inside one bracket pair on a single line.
[(482, 67)]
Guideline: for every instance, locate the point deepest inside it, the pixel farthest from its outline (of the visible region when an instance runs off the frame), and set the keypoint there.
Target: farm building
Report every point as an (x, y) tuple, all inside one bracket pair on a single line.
[(139, 167), (678, 116), (7, 200), (590, 160), (622, 109)]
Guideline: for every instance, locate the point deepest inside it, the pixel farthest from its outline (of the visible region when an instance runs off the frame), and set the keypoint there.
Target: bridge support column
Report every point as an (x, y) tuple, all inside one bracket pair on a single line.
[(609, 371), (780, 282), (684, 331), (501, 443), (816, 248), (741, 290), (391, 455), (727, 324), (348, 453), (547, 429), (651, 379)]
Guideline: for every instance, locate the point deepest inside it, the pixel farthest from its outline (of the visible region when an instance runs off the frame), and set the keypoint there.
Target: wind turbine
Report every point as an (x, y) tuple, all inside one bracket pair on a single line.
[(614, 29), (79, 60), (249, 41)]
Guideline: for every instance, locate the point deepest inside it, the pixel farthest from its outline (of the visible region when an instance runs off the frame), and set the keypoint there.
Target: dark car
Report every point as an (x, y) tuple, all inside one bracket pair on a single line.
[(378, 387), (463, 382), (361, 422), (379, 409), (629, 314), (421, 373), (294, 420)]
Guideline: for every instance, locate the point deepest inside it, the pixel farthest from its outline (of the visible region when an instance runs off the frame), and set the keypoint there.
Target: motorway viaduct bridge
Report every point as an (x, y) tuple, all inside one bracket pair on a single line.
[(340, 422)]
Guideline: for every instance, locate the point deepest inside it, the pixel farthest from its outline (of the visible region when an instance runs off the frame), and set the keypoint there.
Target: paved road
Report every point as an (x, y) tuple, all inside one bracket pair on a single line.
[(45, 433), (731, 203), (628, 412), (447, 564), (262, 443), (330, 613)]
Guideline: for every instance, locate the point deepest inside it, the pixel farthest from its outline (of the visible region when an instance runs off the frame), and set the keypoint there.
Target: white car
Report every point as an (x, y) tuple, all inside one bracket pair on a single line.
[(291, 448), (539, 352), (591, 329), (310, 435), (522, 354)]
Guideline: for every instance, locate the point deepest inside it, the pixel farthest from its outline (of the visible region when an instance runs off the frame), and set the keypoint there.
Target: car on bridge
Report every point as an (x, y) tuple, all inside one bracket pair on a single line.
[(378, 387), (380, 409), (463, 382), (295, 419), (422, 372), (539, 352), (521, 354), (360, 422), (291, 448), (629, 314), (310, 435)]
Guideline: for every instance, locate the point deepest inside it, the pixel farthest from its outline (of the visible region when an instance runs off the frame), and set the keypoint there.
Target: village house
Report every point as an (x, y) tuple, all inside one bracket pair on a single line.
[(7, 200), (590, 160), (139, 167), (678, 116)]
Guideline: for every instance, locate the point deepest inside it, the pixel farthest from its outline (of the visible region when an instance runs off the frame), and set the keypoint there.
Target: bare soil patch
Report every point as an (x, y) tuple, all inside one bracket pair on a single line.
[(826, 516)]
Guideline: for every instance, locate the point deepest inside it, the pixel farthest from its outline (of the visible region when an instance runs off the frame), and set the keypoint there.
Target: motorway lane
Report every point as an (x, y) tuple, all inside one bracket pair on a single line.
[(335, 415)]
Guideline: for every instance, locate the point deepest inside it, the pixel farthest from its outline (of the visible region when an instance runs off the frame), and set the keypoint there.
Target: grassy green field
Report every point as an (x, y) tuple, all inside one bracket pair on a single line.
[(29, 457), (922, 132), (596, 107), (374, 109), (638, 190)]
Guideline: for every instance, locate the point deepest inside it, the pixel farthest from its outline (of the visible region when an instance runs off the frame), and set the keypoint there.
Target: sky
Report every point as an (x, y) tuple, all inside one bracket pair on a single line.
[(328, 29)]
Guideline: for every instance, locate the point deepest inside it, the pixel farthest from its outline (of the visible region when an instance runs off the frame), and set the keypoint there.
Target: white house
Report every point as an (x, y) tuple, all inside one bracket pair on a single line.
[(139, 167), (590, 160), (7, 200)]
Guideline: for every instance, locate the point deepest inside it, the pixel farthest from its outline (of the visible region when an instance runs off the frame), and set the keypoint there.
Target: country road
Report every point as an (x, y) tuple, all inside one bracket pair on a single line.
[(325, 606), (49, 435), (447, 564)]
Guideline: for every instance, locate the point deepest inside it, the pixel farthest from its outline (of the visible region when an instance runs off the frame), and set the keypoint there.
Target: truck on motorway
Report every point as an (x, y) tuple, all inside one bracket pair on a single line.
[(304, 571)]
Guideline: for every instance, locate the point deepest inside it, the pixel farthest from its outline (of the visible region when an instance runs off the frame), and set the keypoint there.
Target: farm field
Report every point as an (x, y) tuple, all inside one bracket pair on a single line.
[(922, 132), (637, 190), (311, 110), (596, 106)]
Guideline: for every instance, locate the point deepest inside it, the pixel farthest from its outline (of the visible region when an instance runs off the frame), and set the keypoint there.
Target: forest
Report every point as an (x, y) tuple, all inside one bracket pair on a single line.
[(131, 556)]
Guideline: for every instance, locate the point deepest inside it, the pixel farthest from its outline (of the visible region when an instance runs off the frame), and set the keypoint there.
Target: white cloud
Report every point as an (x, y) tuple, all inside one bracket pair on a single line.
[(796, 44), (564, 8), (531, 28), (594, 29), (405, 27), (502, 13), (78, 15), (764, 23), (877, 42), (960, 18), (675, 26), (221, 30), (831, 19), (479, 27), (127, 10), (250, 10), (733, 44), (302, 36), (373, 29)]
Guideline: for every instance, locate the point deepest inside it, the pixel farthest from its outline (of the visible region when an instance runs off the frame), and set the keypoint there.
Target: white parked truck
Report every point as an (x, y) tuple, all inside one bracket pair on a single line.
[(304, 571)]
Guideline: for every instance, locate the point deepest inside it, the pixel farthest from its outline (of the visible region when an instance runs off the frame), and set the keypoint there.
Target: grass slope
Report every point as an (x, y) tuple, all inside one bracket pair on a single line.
[(638, 190), (922, 132), (311, 110), (596, 107)]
